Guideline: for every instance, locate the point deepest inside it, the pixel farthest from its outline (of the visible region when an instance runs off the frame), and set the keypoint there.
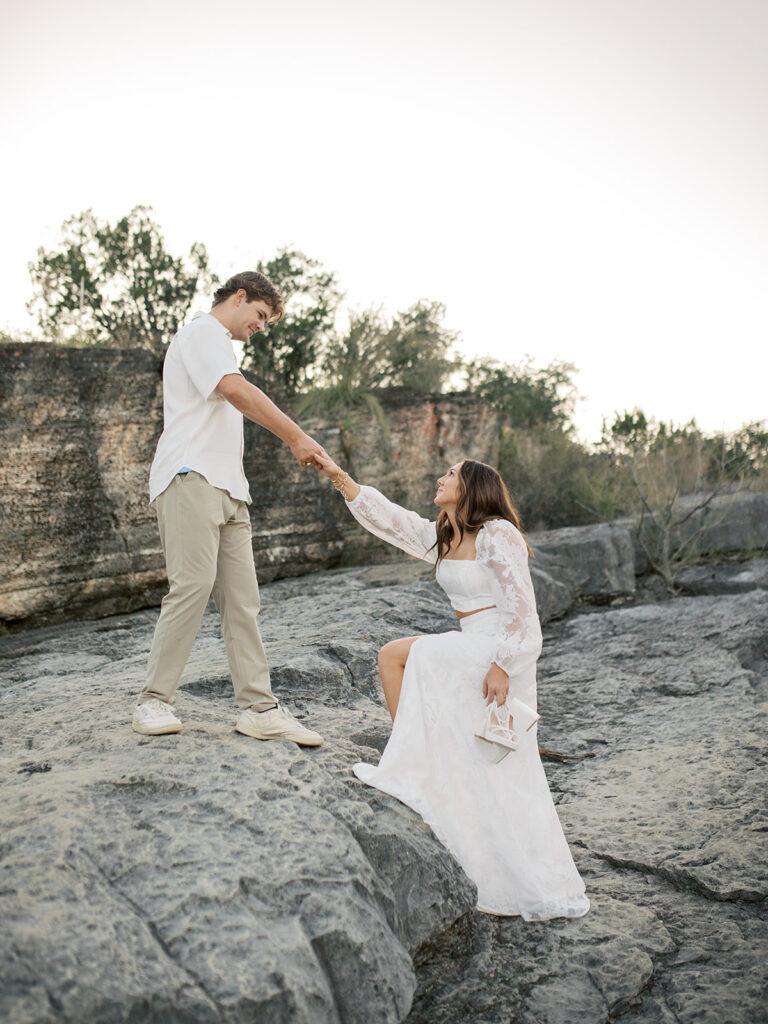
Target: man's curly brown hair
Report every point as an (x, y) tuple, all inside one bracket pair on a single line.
[(256, 286)]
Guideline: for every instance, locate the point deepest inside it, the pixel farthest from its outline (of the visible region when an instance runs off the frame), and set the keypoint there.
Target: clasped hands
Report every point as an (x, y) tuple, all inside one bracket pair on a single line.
[(308, 452), (305, 448)]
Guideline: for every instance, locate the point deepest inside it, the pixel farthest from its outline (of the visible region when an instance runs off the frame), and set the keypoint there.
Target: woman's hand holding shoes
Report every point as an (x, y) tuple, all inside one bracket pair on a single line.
[(495, 685)]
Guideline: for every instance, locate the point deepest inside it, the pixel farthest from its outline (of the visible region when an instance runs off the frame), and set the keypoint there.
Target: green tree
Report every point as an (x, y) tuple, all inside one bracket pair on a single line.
[(415, 351), (556, 481), (412, 350), (115, 284), (741, 455), (287, 352), (542, 466), (528, 396), (666, 463), (350, 364)]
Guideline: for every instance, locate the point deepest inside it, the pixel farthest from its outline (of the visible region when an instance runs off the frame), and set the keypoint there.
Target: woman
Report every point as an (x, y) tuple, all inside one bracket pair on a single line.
[(497, 819)]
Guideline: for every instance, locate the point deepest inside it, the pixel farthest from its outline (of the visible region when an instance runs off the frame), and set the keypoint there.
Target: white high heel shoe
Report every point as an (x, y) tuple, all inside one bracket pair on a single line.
[(496, 734)]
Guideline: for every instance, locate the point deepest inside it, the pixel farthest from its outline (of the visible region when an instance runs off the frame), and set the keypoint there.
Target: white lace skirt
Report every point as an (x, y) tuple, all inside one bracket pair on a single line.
[(498, 820)]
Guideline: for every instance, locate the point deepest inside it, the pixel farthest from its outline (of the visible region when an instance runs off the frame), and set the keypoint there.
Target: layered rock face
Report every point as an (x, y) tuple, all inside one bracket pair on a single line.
[(210, 877), (78, 429)]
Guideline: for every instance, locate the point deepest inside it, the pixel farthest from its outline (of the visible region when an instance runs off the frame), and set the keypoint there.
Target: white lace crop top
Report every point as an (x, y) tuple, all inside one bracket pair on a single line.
[(468, 584), (498, 575)]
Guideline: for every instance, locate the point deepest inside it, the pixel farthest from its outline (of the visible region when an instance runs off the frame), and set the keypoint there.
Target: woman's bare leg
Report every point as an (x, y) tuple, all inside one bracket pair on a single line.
[(392, 659)]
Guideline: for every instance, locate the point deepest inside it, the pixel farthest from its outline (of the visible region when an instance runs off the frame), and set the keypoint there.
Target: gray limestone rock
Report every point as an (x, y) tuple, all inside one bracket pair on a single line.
[(731, 523), (210, 877), (725, 578), (594, 561), (553, 598), (728, 524)]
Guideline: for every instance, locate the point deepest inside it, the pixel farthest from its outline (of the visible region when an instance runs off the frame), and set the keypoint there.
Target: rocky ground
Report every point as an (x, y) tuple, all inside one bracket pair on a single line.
[(208, 877)]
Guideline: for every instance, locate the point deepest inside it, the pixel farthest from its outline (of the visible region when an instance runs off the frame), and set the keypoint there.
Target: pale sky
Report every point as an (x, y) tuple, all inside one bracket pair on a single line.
[(584, 180)]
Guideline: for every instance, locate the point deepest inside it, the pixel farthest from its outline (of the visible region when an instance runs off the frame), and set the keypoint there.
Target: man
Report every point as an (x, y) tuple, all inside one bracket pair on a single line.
[(200, 495)]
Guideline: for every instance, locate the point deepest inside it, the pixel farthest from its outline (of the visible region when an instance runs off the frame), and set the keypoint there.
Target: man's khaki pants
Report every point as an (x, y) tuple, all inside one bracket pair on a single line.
[(206, 539)]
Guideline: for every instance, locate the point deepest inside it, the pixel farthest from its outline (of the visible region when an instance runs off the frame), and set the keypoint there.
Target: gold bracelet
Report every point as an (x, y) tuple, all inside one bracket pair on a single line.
[(340, 482)]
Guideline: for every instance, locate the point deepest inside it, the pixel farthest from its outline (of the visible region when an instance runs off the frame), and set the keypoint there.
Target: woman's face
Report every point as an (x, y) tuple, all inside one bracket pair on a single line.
[(448, 488)]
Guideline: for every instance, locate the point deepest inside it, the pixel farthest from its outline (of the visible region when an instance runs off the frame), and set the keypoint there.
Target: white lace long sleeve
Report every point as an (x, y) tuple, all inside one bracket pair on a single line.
[(383, 518), (500, 547)]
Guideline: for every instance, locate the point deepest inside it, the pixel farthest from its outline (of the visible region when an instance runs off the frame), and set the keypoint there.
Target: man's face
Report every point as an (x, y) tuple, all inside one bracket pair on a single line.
[(248, 317)]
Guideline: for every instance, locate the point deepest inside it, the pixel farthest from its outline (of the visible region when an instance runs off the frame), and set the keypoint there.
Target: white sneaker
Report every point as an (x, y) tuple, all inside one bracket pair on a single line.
[(276, 724), (155, 718)]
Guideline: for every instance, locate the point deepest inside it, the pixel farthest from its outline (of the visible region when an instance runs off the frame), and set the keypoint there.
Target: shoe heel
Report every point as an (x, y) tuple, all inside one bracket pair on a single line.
[(523, 716)]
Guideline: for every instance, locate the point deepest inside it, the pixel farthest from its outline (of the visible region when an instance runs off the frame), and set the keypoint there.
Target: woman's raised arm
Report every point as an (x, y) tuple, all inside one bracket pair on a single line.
[(404, 529)]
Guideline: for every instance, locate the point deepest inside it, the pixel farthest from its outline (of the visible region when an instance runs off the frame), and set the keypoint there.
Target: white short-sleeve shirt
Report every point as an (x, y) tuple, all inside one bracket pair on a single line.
[(202, 431)]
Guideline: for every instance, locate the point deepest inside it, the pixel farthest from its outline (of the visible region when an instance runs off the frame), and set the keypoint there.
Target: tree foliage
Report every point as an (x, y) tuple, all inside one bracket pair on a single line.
[(665, 463), (287, 352), (415, 350), (115, 284), (528, 396), (741, 455), (666, 460), (411, 350), (556, 481)]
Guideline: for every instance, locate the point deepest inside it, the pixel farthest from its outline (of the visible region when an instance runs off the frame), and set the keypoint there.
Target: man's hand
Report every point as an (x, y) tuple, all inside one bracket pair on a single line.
[(305, 448), (495, 684)]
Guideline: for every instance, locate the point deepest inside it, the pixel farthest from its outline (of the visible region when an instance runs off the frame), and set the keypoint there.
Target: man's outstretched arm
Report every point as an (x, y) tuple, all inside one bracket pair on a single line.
[(254, 404)]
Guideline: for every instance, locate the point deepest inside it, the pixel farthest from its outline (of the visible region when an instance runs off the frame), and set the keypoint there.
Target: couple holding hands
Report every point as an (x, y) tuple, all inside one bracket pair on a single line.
[(460, 701)]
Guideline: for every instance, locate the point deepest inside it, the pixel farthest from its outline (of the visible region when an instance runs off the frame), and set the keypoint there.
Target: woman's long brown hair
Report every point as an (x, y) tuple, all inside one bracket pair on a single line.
[(483, 495)]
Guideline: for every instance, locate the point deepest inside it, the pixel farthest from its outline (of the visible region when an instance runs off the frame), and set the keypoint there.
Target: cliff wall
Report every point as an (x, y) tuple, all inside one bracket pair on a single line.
[(78, 429)]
